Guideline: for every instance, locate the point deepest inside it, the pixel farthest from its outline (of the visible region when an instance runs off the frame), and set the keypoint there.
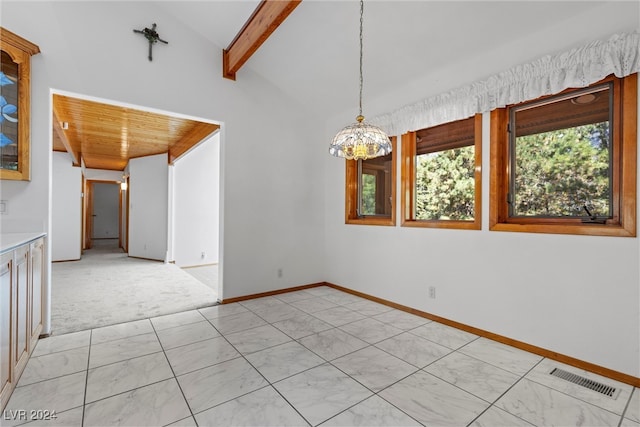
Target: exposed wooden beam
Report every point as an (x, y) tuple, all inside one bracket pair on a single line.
[(57, 127), (199, 132), (265, 19)]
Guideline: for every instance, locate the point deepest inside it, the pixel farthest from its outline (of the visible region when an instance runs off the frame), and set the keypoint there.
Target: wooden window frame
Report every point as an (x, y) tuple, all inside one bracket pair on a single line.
[(351, 194), (624, 144), (408, 174)]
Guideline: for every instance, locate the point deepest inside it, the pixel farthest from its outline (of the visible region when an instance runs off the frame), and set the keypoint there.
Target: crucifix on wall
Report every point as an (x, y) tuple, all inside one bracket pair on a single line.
[(152, 36)]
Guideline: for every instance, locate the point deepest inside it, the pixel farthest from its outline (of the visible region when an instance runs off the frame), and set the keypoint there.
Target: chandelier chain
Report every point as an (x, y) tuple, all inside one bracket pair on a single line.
[(361, 22), (360, 140)]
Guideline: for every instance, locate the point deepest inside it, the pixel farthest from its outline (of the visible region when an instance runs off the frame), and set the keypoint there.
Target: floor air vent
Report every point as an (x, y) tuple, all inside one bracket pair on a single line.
[(607, 390)]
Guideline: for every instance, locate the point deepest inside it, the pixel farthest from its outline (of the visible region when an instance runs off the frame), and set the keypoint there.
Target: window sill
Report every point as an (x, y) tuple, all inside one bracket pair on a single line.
[(450, 224), (385, 221), (576, 229)]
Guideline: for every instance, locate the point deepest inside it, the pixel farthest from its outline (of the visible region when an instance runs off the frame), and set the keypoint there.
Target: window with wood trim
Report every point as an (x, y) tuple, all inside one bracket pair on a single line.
[(441, 175), (370, 190), (566, 163)]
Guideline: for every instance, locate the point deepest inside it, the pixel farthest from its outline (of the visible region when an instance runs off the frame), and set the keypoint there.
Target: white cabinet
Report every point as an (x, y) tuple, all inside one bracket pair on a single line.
[(21, 290), (7, 381), (21, 308), (36, 290)]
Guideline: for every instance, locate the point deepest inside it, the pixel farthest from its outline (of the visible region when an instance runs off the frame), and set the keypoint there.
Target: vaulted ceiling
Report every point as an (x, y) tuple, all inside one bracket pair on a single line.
[(410, 50), (410, 47)]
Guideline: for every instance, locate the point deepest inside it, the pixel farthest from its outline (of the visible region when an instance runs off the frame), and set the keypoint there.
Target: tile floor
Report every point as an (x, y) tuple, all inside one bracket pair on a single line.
[(312, 357)]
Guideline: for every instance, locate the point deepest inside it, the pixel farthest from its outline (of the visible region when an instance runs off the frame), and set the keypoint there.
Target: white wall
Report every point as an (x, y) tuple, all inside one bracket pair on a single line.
[(575, 295), (102, 174), (280, 227), (106, 210), (283, 196), (124, 219), (148, 187), (196, 194), (65, 238)]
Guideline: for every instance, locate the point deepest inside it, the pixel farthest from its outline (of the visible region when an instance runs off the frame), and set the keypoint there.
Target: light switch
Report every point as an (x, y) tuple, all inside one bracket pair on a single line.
[(3, 207)]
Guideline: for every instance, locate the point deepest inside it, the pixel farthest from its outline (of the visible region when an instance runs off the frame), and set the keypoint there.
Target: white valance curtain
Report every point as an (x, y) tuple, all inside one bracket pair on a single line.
[(580, 67)]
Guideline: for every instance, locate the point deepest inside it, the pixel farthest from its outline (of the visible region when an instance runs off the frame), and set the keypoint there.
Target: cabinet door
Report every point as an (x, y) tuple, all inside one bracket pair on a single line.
[(6, 327), (21, 350), (35, 290), (15, 66)]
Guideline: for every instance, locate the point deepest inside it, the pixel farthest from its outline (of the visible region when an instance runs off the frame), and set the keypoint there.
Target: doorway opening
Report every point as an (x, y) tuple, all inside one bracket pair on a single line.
[(105, 214), (141, 212)]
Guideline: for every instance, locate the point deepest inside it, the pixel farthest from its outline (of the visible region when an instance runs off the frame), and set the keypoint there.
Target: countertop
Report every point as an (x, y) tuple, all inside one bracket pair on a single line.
[(10, 241)]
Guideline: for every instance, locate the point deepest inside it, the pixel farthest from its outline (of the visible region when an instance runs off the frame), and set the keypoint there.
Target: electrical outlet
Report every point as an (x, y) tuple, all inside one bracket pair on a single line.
[(279, 273), (432, 292), (3, 207)]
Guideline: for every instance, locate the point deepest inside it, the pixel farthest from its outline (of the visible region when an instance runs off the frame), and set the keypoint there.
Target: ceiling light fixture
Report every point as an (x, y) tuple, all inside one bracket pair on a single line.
[(123, 183), (584, 99), (360, 140)]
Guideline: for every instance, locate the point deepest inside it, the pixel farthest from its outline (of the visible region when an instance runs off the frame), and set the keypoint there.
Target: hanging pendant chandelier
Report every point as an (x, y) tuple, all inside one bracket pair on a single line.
[(360, 140)]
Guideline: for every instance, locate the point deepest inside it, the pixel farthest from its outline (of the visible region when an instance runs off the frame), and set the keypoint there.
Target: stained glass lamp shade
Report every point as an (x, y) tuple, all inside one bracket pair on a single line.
[(360, 140)]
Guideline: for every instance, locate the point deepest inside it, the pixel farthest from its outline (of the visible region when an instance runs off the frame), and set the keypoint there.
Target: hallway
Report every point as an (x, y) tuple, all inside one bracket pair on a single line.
[(107, 287)]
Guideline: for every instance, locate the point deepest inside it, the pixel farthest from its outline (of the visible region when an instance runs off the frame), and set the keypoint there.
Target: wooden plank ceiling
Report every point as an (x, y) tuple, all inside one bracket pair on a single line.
[(106, 136)]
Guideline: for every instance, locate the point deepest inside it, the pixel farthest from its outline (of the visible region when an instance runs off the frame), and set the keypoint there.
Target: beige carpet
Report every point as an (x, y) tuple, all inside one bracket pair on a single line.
[(107, 287), (207, 274)]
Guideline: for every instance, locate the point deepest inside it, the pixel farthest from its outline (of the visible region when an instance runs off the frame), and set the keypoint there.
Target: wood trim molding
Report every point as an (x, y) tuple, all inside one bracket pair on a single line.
[(271, 293), (146, 259), (630, 151), (497, 167), (477, 135), (21, 50), (351, 193), (263, 22), (198, 133), (88, 194), (408, 176), (549, 354), (624, 183), (88, 212), (198, 265), (15, 40)]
